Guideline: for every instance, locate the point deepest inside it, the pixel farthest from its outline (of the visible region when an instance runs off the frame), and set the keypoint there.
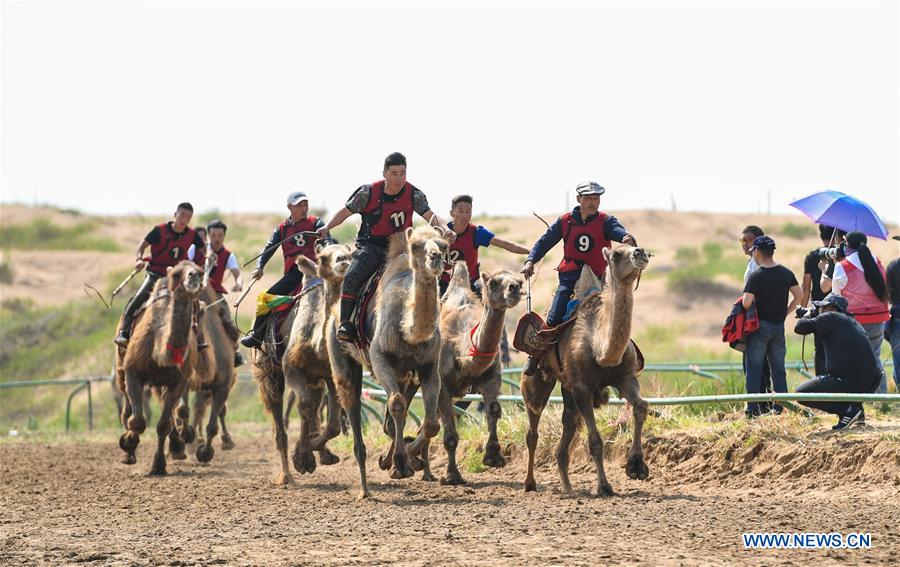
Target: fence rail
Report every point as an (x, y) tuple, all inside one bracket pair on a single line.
[(373, 391)]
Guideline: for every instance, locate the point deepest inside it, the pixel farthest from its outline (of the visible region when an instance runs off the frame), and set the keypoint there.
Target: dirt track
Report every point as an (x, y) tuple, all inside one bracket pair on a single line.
[(74, 504)]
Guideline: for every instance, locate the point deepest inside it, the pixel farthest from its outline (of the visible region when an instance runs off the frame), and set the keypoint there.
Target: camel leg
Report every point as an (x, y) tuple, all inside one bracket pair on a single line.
[(176, 443), (227, 441), (309, 397), (132, 417), (430, 379), (205, 450), (451, 440), (201, 402), (184, 414), (570, 424), (332, 427), (272, 393), (354, 414), (635, 466), (536, 392), (492, 455), (584, 400), (292, 399), (171, 396), (397, 407)]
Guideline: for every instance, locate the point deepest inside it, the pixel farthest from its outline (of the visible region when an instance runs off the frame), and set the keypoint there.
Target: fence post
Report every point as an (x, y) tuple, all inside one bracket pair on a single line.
[(90, 408)]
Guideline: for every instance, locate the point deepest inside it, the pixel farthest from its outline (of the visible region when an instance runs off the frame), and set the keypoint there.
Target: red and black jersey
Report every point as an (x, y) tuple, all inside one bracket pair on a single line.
[(464, 250), (299, 243), (171, 249), (218, 271), (583, 243), (387, 214)]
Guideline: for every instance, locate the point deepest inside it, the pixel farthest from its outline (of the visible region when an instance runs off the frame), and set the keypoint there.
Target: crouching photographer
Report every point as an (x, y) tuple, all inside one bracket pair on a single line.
[(850, 365)]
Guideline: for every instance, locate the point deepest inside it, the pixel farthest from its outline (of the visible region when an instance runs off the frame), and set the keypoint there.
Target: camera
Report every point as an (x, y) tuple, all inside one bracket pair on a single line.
[(802, 312), (833, 253)]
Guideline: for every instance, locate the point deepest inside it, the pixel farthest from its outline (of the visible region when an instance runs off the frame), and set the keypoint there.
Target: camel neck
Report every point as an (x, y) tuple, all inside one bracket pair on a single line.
[(422, 309), (618, 332), (332, 292), (487, 337), (180, 319)]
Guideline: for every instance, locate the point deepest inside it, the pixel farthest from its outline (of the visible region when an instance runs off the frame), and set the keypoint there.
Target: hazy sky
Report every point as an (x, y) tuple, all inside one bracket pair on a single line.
[(117, 107)]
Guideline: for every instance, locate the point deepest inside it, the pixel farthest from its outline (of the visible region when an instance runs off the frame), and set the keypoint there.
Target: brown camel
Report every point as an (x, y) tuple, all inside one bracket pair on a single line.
[(592, 354), (471, 330), (162, 354), (404, 346), (305, 367), (215, 392)]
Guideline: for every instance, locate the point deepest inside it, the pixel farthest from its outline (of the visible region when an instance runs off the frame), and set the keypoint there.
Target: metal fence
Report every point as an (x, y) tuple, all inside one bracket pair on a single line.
[(372, 391)]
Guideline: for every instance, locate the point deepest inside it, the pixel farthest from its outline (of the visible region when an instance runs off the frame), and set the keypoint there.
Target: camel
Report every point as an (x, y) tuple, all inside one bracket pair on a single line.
[(593, 353), (305, 366), (215, 392), (163, 355), (404, 345), (471, 330)]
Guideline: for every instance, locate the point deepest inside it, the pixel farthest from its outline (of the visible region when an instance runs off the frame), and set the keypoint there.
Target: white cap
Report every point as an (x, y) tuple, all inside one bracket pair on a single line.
[(296, 197)]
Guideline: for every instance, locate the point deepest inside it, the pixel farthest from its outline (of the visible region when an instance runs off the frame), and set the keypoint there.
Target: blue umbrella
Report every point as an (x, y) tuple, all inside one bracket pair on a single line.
[(833, 208)]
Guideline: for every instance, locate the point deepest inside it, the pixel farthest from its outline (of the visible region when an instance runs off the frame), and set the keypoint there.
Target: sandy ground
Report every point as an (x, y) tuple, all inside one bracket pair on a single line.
[(72, 503)]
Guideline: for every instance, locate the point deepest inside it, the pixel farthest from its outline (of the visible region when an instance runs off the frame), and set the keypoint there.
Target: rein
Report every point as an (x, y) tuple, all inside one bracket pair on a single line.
[(473, 350)]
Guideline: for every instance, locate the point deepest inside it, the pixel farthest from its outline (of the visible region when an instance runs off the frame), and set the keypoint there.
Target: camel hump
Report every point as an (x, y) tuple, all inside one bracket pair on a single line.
[(588, 284), (307, 266), (460, 275)]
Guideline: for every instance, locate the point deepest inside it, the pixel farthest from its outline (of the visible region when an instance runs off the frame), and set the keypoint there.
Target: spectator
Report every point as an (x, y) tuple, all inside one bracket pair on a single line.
[(892, 327), (850, 364), (769, 287), (811, 289), (860, 278), (748, 235)]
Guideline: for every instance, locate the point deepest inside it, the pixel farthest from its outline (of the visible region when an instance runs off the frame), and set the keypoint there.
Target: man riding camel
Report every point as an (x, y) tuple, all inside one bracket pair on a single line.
[(169, 243), (469, 238), (585, 231), (295, 238), (226, 261), (386, 207)]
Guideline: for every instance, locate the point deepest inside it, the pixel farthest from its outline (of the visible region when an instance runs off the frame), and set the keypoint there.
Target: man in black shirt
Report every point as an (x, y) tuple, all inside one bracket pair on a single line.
[(892, 327), (811, 288), (768, 287), (850, 364)]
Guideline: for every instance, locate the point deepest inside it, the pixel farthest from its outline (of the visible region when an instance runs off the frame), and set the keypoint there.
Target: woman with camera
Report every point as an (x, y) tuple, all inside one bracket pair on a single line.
[(860, 278)]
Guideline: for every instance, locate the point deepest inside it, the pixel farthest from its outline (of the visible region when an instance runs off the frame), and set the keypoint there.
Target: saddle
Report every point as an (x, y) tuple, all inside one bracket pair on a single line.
[(359, 314), (280, 306)]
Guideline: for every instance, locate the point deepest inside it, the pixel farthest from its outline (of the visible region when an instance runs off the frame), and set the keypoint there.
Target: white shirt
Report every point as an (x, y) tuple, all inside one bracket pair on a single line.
[(751, 267), (232, 258), (839, 278)]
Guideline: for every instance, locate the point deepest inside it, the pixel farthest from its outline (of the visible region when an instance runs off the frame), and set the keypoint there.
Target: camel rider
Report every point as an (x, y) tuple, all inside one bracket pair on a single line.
[(295, 229), (386, 207), (226, 261), (469, 238), (169, 243), (585, 231)]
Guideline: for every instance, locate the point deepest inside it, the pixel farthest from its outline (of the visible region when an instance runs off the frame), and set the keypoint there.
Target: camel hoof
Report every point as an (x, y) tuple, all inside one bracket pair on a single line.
[(129, 459), (401, 471), (304, 462), (326, 457), (157, 472), (363, 495), (428, 477), (284, 479), (452, 479), (129, 441), (205, 453), (227, 443), (384, 463), (416, 463), (188, 433), (636, 468), (494, 459), (605, 490), (530, 486)]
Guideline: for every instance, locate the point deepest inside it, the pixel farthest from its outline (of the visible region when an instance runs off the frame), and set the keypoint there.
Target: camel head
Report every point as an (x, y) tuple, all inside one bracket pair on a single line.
[(186, 276), (625, 262), (427, 250), (502, 289), (334, 260)]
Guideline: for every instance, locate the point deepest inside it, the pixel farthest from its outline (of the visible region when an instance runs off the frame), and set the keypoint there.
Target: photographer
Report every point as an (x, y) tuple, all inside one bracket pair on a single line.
[(892, 327), (860, 278), (811, 288), (850, 364)]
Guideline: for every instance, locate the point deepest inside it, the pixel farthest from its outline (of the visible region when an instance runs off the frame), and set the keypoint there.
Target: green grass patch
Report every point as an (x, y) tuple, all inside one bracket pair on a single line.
[(6, 272), (799, 231), (41, 234), (703, 265)]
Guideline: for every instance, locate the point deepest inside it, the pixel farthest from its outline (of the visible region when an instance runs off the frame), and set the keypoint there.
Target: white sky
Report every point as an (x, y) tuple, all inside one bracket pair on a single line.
[(116, 107)]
